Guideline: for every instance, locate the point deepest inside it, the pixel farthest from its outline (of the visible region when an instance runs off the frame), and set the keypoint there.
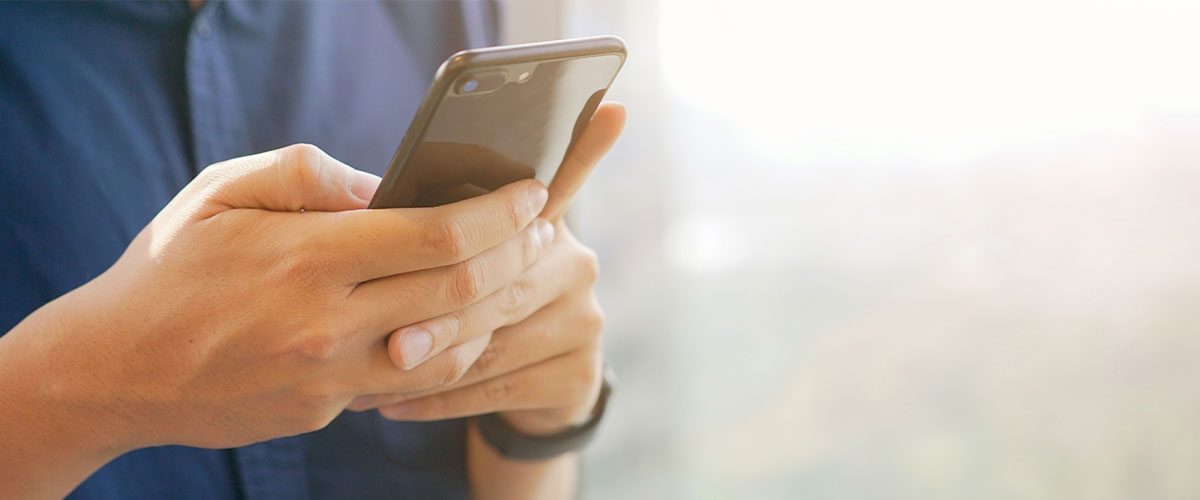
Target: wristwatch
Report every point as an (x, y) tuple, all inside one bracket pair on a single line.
[(517, 445)]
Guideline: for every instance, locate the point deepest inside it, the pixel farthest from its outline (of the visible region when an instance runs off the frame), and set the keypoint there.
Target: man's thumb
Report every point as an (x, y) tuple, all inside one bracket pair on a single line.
[(290, 179)]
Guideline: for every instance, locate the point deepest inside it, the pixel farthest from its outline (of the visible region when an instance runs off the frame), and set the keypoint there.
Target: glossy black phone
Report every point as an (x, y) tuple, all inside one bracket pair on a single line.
[(497, 115)]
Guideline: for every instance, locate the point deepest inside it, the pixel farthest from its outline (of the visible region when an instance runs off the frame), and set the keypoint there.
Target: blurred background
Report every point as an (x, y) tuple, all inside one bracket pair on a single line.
[(876, 249)]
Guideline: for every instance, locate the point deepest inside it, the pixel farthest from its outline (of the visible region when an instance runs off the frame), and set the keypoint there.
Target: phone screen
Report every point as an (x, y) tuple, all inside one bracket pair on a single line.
[(496, 125)]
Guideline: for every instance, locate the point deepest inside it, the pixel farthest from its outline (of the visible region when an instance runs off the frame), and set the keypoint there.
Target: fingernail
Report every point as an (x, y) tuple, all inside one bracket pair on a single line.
[(415, 344), (537, 197), (545, 232)]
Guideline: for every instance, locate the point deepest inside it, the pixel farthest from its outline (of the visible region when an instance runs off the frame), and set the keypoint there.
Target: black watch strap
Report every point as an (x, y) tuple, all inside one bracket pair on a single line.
[(514, 444)]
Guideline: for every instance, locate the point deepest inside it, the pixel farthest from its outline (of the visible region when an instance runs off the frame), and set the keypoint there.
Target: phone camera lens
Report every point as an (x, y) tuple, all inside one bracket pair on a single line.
[(470, 86)]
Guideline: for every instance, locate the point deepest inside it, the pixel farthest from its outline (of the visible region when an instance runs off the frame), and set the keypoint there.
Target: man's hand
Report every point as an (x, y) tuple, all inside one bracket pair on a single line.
[(258, 302), (542, 364), (542, 361)]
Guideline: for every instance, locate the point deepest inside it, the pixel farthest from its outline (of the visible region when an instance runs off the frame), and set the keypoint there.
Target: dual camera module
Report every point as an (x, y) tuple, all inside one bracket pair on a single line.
[(489, 81)]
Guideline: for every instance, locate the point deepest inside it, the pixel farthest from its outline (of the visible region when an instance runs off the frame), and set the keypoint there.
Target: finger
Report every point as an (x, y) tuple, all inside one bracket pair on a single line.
[(557, 382), (384, 242), (381, 377), (571, 323), (597, 138), (293, 178), (407, 298), (552, 276)]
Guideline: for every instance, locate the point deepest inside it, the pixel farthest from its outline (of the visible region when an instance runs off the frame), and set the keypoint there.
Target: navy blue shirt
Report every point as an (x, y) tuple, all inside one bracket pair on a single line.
[(108, 109)]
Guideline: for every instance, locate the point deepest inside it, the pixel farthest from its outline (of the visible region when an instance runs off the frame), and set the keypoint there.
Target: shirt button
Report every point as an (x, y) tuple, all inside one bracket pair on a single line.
[(203, 28)]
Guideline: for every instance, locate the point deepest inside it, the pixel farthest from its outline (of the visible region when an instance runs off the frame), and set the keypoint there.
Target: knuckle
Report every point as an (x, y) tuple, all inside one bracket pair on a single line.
[(303, 148), (589, 264), (592, 318), (447, 238), (303, 163), (514, 297), (487, 362), (514, 214), (467, 282), (450, 326), (214, 173), (450, 366), (496, 391), (319, 347), (304, 156), (303, 265)]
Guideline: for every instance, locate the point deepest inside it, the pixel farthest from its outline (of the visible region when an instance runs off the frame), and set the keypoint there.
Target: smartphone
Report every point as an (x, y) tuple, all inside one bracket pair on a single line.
[(497, 115)]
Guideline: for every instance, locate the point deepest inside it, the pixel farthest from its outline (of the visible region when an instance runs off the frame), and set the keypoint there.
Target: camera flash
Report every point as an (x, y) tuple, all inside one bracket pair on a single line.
[(523, 76)]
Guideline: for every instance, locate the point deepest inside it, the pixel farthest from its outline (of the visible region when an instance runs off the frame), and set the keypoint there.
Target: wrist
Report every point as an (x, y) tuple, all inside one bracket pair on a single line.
[(52, 443), (48, 364), (544, 422), (514, 443)]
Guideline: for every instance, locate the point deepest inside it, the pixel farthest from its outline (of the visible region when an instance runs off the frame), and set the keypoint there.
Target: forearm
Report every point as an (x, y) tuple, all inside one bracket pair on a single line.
[(47, 445), (494, 477)]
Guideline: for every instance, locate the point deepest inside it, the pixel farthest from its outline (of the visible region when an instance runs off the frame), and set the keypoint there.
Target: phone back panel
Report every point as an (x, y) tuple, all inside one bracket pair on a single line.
[(499, 115)]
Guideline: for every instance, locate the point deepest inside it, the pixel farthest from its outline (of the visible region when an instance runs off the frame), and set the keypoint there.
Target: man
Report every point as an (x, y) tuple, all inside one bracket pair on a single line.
[(171, 337)]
